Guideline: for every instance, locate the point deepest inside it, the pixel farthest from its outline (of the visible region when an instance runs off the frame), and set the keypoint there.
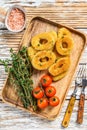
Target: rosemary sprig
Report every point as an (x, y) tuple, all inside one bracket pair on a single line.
[(20, 75)]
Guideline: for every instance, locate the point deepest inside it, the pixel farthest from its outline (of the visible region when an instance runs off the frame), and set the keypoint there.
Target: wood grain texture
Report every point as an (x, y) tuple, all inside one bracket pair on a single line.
[(68, 112), (68, 12), (81, 109), (12, 118), (36, 26)]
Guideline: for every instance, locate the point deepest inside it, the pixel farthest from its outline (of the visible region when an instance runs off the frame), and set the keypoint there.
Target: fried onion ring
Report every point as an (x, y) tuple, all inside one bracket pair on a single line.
[(43, 60)]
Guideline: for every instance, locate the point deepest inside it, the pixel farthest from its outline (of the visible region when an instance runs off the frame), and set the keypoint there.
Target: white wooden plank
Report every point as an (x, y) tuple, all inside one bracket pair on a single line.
[(17, 119), (73, 14)]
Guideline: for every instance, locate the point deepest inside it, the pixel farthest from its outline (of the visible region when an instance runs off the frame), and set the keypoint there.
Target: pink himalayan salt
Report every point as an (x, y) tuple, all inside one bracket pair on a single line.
[(16, 19)]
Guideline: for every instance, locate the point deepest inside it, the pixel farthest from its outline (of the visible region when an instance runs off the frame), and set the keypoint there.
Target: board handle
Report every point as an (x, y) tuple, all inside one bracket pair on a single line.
[(68, 112), (81, 109)]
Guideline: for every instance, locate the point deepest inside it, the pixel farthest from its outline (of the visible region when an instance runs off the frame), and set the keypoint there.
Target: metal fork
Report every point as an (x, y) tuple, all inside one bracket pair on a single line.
[(82, 97), (70, 106)]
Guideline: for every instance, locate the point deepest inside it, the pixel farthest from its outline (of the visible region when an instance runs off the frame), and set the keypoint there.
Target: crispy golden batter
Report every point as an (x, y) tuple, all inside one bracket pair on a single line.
[(49, 51), (43, 41), (64, 45), (43, 59), (31, 52), (60, 66), (63, 32), (60, 76), (54, 35)]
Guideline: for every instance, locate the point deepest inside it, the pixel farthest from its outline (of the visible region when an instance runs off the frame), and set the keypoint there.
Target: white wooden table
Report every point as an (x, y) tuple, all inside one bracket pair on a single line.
[(69, 12)]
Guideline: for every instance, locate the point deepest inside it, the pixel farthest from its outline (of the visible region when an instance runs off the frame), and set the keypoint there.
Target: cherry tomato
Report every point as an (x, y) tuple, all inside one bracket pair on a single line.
[(42, 103), (50, 91), (38, 92), (46, 80), (54, 101)]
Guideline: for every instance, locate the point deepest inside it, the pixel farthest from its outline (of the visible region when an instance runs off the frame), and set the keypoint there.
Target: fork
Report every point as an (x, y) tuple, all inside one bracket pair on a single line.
[(70, 106), (82, 97)]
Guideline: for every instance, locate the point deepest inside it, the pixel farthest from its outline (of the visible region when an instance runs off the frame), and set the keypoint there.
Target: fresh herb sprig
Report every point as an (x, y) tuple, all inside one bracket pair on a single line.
[(20, 75)]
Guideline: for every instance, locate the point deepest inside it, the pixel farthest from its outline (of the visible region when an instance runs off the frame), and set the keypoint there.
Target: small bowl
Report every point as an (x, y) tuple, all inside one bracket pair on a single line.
[(8, 13)]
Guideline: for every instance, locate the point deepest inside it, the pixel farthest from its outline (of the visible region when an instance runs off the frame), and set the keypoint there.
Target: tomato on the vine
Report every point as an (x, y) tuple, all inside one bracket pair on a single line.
[(38, 92), (46, 80), (50, 91), (42, 103), (54, 101)]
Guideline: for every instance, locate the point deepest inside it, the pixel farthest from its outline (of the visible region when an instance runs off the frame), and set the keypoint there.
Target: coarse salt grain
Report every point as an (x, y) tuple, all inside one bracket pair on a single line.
[(16, 19)]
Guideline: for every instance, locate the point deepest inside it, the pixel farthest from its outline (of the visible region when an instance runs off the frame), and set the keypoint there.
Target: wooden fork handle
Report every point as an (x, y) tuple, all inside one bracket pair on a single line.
[(68, 112), (81, 109)]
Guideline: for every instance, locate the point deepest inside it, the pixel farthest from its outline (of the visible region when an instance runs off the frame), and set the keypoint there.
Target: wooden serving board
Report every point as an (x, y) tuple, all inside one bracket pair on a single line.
[(36, 26)]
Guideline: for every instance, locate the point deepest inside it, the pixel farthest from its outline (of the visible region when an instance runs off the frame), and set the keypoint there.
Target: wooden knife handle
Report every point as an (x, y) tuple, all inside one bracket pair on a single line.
[(81, 109), (68, 112)]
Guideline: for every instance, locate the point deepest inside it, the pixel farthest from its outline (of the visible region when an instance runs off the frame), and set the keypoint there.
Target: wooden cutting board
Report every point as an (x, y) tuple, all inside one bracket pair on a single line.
[(36, 26)]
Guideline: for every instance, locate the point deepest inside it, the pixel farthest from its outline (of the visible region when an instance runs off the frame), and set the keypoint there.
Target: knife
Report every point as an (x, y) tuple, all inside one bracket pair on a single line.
[(81, 102)]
